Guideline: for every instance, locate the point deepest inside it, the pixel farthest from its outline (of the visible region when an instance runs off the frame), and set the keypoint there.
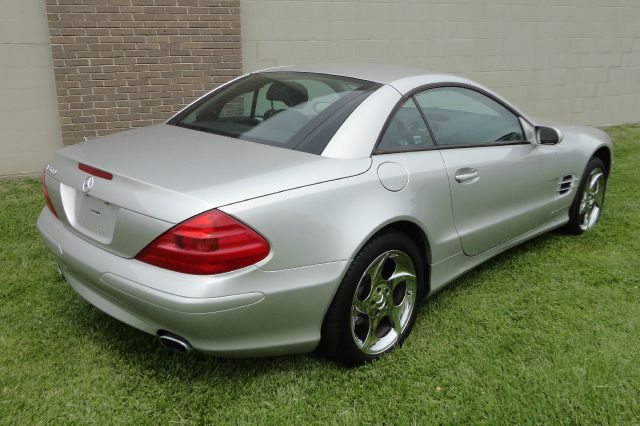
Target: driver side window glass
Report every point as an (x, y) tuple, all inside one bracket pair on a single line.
[(406, 131), (460, 117)]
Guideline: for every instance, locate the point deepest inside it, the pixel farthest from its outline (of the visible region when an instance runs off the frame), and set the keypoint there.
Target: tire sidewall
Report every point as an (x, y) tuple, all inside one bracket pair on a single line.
[(337, 324)]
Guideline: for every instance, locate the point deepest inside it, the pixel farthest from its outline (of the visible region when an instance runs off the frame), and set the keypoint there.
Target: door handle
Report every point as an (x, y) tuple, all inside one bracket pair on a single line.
[(464, 175)]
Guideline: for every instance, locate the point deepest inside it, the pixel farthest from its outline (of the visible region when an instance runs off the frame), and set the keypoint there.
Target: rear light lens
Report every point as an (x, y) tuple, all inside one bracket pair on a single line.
[(96, 172), (210, 243), (45, 191)]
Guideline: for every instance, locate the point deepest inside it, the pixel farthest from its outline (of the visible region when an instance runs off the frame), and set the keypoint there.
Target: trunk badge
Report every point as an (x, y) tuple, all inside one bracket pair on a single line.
[(87, 184), (51, 169)]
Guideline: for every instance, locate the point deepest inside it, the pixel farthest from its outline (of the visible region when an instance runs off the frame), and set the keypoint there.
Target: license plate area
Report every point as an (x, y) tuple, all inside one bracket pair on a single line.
[(95, 217)]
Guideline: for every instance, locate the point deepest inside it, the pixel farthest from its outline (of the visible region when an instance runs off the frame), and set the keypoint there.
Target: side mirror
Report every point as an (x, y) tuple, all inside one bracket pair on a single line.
[(548, 135)]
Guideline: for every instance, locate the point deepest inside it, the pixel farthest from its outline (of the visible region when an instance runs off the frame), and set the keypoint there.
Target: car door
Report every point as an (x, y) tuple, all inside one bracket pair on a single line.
[(501, 186), (408, 164)]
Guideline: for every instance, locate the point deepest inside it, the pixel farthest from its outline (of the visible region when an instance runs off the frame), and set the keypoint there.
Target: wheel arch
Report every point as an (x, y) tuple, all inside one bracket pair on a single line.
[(604, 153), (414, 232)]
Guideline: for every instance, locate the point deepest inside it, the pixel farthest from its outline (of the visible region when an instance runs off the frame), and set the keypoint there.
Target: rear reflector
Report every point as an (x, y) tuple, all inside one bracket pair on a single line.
[(96, 172), (45, 191), (210, 243)]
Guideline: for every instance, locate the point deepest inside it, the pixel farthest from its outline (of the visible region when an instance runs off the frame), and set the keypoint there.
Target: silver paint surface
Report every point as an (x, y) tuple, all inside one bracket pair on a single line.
[(316, 211)]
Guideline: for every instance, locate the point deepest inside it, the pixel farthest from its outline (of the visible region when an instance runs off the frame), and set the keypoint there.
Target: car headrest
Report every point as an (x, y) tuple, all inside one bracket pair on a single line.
[(290, 93)]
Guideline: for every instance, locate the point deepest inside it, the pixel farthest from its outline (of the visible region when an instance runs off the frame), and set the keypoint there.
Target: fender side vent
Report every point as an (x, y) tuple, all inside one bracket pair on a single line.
[(566, 184)]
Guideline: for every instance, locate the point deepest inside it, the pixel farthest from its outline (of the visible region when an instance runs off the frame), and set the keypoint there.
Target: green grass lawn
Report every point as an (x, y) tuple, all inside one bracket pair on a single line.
[(546, 333)]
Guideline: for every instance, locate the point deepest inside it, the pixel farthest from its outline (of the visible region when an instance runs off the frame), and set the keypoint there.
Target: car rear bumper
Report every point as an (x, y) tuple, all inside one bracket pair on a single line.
[(249, 312)]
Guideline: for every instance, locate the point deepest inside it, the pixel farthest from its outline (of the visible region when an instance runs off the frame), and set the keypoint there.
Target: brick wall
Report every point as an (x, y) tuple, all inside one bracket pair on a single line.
[(130, 63), (572, 60)]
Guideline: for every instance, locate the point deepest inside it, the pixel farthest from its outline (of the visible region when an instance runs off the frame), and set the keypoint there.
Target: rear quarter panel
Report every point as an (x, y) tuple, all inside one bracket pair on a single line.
[(331, 221)]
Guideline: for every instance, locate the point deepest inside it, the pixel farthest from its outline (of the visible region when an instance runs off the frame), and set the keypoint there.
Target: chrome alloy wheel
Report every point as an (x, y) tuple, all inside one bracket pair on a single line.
[(592, 199), (383, 302)]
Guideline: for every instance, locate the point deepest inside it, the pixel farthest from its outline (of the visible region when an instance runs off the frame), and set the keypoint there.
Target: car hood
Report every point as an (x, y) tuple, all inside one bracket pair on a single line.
[(197, 166)]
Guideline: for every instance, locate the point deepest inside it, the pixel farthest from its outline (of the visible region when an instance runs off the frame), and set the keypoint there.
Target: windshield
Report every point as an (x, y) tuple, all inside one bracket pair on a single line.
[(293, 110)]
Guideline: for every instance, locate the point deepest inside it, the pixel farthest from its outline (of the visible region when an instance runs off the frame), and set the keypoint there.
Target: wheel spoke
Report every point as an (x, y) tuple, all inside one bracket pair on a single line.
[(399, 278), (405, 271), (599, 196), (395, 315), (375, 270), (369, 296), (403, 263), (361, 306), (371, 338), (594, 182), (593, 215), (585, 220), (597, 203), (584, 203)]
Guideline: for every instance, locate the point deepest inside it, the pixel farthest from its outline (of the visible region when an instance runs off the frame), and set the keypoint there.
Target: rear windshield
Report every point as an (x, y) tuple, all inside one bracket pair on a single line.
[(299, 111)]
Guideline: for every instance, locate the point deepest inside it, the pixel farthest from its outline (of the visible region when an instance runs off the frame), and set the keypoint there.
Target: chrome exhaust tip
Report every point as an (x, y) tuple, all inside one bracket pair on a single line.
[(174, 343)]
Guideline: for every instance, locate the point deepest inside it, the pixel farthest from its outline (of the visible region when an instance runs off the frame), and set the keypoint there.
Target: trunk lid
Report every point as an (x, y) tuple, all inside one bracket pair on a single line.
[(164, 174)]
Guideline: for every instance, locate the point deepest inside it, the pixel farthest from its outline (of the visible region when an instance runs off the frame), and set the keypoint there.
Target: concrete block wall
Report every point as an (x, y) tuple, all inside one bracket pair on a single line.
[(131, 63), (29, 125), (572, 60)]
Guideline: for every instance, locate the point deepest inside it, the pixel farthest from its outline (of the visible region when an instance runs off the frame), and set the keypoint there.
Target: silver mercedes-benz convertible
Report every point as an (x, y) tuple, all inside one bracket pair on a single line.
[(303, 207)]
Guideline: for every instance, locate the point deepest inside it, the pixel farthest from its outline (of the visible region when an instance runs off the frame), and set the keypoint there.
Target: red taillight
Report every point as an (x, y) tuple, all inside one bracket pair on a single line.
[(96, 172), (210, 243), (45, 191)]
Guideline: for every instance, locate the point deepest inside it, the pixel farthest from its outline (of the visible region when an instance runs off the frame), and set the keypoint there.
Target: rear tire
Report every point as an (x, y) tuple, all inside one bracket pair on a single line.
[(375, 306), (586, 209)]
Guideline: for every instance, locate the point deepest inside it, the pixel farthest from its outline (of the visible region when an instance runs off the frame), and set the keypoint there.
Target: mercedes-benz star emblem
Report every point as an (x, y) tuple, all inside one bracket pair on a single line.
[(87, 184)]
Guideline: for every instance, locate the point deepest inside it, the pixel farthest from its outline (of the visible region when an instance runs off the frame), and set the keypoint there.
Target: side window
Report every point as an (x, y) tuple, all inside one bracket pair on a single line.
[(240, 106), (406, 131), (459, 116)]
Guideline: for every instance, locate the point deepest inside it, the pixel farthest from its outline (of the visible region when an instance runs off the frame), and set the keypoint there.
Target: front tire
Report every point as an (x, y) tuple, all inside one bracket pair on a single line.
[(375, 306), (589, 201)]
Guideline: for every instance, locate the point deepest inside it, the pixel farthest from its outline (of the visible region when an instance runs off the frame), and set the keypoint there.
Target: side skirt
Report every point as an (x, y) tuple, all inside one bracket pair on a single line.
[(447, 270)]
